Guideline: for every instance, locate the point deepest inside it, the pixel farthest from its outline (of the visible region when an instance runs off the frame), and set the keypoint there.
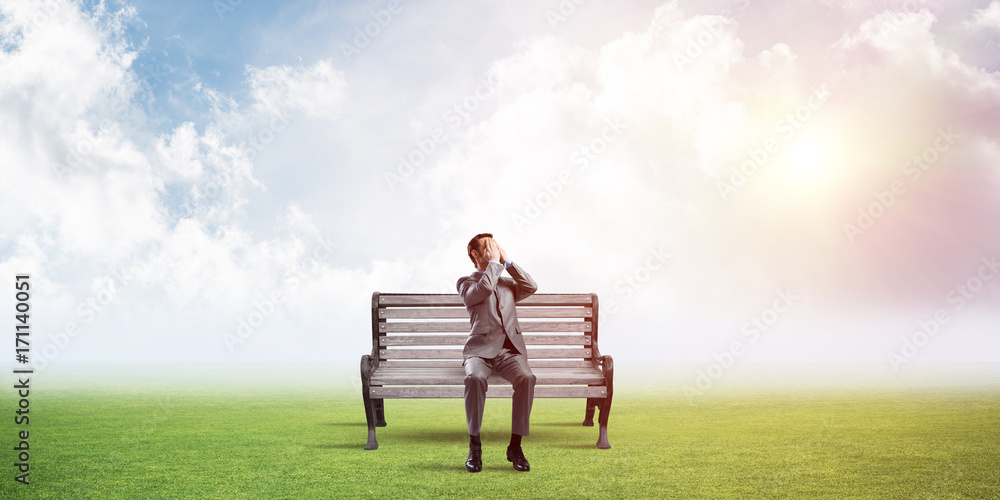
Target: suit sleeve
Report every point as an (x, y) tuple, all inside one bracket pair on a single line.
[(524, 286), (475, 290)]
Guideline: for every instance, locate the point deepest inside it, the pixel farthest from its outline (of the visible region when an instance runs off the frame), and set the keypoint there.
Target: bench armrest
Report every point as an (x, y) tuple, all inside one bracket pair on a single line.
[(368, 365), (608, 367)]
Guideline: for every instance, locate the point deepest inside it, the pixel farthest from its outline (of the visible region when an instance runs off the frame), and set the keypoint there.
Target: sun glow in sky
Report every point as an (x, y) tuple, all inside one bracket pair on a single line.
[(165, 168), (810, 160)]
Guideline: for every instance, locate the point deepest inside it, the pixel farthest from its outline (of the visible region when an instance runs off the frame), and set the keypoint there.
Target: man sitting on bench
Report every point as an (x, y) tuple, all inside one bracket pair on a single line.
[(495, 344)]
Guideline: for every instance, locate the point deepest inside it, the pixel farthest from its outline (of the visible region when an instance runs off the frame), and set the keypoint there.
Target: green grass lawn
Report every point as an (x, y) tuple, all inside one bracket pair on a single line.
[(238, 443)]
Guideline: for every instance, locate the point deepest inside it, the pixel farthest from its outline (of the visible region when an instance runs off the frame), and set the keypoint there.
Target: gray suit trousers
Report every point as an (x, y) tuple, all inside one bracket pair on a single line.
[(514, 368)]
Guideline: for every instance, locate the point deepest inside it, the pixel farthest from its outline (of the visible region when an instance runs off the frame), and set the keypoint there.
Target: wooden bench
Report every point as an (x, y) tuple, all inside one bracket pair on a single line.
[(417, 342)]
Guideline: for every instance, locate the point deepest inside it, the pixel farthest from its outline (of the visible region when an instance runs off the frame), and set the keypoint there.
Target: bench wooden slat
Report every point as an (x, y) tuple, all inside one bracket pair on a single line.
[(457, 353), (442, 340), (494, 391), (463, 326), (462, 313), (452, 299), (456, 376), (451, 363)]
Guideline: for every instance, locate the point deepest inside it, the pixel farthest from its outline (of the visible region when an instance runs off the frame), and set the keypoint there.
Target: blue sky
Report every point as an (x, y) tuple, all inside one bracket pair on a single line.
[(166, 169)]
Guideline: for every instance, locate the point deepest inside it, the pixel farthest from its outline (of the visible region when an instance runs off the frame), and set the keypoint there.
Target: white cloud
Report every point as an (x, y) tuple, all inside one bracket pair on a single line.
[(888, 84), (180, 154), (91, 187), (988, 17), (316, 91), (71, 167)]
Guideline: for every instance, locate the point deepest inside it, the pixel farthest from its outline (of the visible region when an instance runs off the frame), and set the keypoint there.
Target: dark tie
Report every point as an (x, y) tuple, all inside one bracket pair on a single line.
[(507, 344)]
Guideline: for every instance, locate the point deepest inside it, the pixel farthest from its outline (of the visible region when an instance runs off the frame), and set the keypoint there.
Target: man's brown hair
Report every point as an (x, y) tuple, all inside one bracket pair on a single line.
[(474, 245)]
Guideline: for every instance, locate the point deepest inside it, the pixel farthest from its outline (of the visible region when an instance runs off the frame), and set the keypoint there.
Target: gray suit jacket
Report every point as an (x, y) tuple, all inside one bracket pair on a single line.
[(490, 300)]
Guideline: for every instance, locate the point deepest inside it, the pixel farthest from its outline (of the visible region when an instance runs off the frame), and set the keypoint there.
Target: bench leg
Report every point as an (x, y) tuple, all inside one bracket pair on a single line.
[(369, 402), (379, 405), (602, 436), (609, 374), (588, 416)]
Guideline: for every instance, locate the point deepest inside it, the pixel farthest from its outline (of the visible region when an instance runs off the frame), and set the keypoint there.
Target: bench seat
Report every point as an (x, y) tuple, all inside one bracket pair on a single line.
[(387, 375)]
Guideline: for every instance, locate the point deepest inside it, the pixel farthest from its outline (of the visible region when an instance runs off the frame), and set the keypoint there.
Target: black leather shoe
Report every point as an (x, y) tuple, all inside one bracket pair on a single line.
[(475, 461), (516, 456)]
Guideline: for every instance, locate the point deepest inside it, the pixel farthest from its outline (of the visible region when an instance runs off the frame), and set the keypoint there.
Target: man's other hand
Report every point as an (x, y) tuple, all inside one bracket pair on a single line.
[(490, 251), (502, 254)]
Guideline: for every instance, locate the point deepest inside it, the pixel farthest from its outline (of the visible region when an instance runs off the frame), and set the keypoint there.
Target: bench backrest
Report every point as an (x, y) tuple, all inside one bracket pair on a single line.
[(430, 330)]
